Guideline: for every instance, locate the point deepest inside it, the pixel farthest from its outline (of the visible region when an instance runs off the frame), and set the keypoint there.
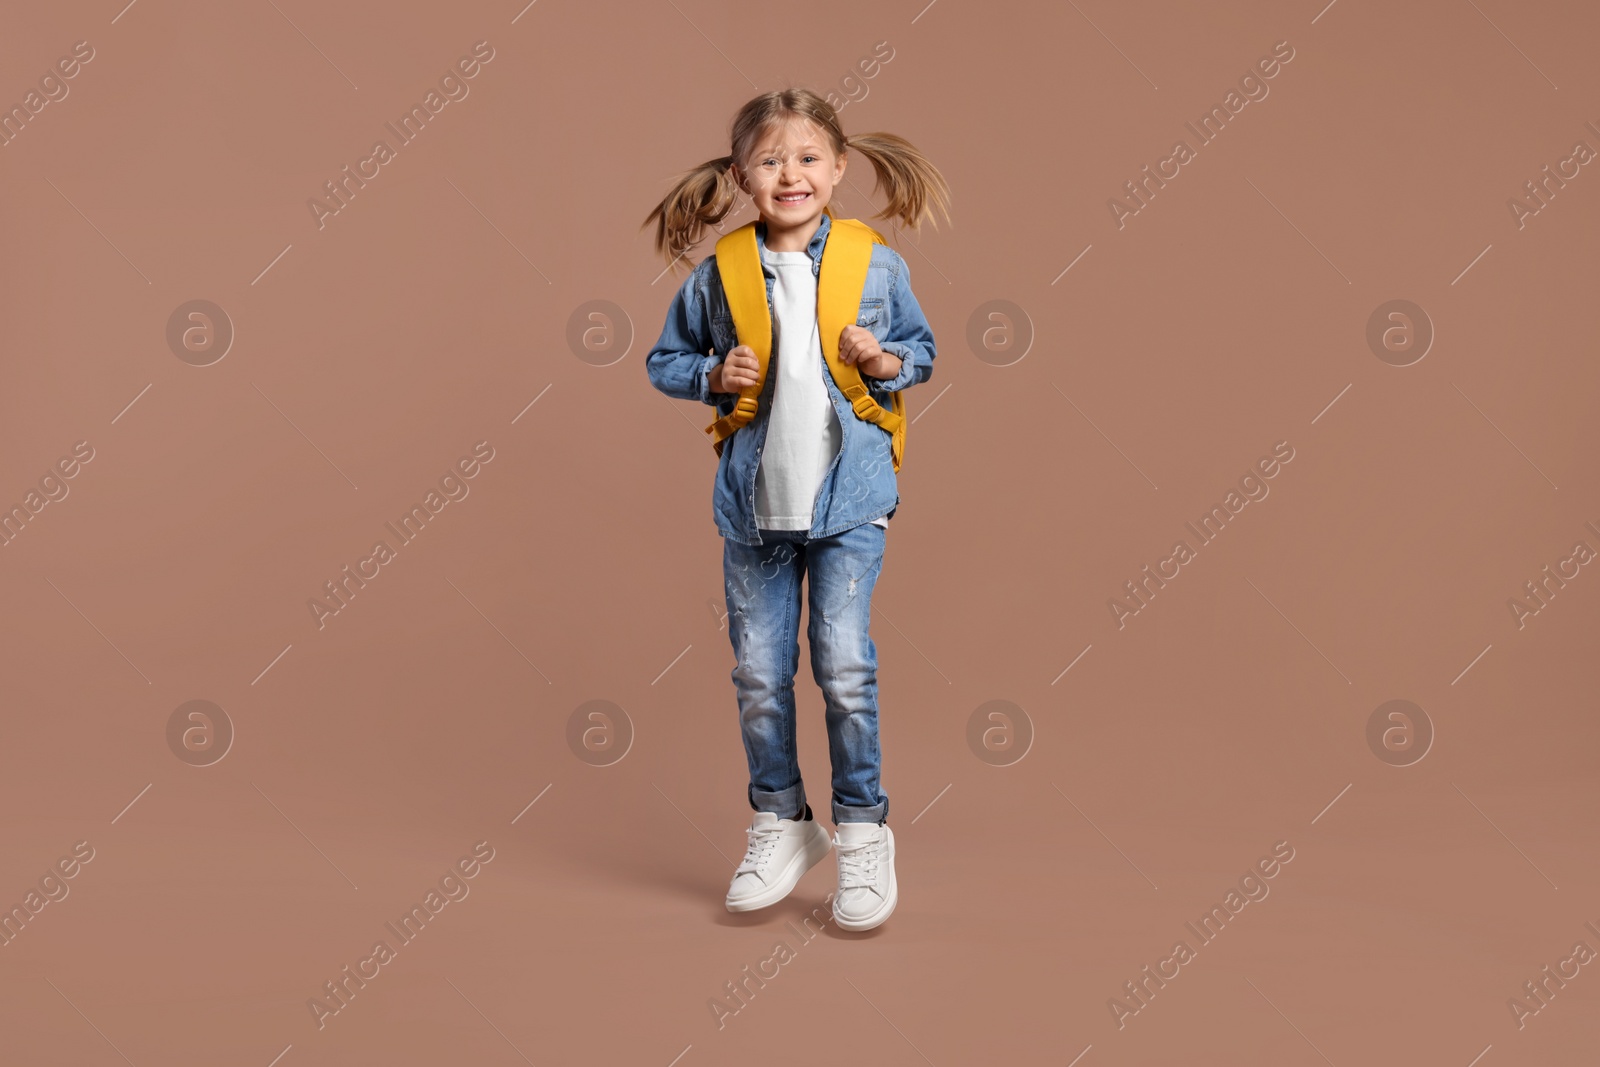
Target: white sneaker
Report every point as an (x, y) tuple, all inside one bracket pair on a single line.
[(779, 853), (867, 889)]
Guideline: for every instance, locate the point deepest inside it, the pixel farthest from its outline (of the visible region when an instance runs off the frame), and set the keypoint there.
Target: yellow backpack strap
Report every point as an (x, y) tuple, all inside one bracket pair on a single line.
[(739, 263), (845, 259)]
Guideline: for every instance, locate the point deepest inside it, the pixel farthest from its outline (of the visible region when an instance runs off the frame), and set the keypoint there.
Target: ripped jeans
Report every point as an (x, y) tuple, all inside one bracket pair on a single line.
[(763, 589)]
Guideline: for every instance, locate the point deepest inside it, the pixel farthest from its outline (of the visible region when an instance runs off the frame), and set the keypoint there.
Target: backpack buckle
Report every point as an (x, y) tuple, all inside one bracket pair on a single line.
[(861, 401)]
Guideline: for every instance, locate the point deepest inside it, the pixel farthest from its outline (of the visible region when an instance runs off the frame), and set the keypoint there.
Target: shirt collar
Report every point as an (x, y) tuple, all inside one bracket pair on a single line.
[(813, 249)]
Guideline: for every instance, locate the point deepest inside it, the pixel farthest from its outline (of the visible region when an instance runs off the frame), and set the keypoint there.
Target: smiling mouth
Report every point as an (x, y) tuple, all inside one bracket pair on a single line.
[(794, 198)]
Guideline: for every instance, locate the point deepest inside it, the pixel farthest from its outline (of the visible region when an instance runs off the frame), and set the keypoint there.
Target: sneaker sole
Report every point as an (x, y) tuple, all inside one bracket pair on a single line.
[(817, 847), (883, 911)]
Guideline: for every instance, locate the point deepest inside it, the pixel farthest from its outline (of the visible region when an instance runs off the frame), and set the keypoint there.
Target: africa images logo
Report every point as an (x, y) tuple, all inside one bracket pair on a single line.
[(453, 83), (343, 589), (1254, 487), (453, 887)]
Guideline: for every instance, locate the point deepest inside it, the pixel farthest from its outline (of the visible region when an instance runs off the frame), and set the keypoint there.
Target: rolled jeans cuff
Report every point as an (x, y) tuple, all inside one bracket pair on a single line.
[(843, 813), (784, 803)]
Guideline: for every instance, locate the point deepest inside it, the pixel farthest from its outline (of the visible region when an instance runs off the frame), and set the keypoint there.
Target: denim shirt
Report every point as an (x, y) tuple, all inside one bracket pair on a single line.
[(860, 484)]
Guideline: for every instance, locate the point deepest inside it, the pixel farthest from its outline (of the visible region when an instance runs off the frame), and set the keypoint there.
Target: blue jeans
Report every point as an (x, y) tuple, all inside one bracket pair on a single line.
[(763, 588)]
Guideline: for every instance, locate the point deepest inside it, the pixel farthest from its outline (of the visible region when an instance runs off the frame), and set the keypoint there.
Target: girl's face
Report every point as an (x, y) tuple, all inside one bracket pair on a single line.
[(791, 173)]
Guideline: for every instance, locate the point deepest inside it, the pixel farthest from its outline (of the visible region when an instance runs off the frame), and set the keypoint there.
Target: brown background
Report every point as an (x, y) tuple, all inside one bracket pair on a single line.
[(373, 752)]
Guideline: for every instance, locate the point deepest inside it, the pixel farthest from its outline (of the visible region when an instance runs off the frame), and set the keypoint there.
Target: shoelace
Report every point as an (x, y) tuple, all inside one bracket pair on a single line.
[(858, 865), (761, 845)]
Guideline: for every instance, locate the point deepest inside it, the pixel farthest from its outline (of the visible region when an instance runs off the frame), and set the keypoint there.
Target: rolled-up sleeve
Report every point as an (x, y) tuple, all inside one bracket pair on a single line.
[(680, 363), (910, 338)]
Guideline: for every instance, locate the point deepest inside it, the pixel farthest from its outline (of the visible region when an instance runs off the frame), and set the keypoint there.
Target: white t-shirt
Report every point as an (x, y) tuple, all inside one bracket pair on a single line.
[(804, 434)]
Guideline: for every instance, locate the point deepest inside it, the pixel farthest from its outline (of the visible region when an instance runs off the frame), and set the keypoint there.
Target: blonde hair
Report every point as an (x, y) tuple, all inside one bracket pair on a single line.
[(704, 196)]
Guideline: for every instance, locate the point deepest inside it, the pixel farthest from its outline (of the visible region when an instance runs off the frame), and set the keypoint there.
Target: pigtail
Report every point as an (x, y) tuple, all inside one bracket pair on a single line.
[(910, 182), (698, 198)]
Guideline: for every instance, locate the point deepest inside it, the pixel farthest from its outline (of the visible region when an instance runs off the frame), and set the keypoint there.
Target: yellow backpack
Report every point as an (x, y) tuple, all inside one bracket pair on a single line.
[(840, 282)]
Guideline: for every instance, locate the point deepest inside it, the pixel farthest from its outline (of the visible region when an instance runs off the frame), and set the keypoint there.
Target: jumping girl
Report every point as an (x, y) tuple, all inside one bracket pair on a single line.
[(801, 331)]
